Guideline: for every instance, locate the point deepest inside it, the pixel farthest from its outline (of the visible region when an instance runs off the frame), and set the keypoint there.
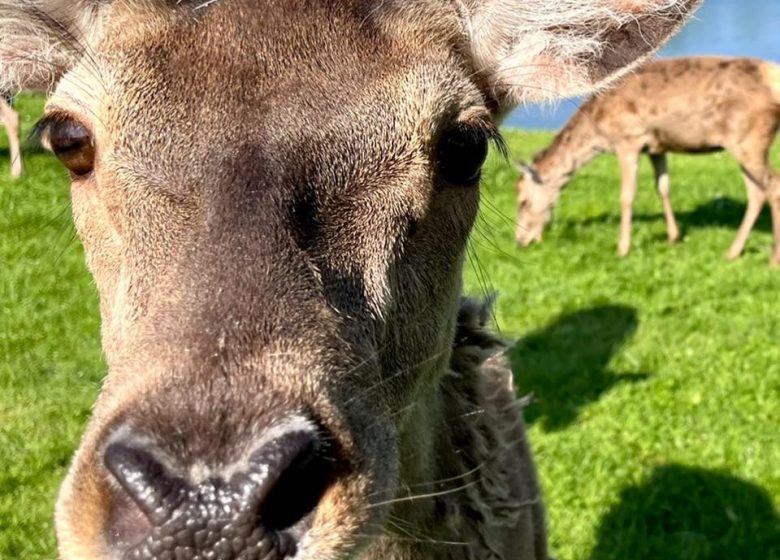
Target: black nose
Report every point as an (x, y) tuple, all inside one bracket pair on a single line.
[(258, 513)]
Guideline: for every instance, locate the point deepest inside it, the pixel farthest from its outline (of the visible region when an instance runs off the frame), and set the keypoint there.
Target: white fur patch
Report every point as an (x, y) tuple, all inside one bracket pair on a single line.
[(294, 424)]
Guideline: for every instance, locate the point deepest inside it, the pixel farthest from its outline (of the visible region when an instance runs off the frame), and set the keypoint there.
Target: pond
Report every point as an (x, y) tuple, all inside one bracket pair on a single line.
[(724, 27)]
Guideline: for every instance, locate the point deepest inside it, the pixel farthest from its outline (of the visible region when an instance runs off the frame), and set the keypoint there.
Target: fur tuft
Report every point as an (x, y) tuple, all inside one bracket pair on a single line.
[(500, 511), (474, 343)]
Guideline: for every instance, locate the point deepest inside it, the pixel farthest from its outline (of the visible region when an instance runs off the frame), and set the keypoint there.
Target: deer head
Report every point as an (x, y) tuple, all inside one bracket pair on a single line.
[(274, 197), (536, 198)]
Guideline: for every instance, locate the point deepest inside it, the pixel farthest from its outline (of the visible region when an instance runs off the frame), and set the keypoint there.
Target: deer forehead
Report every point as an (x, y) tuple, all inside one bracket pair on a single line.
[(361, 97), (339, 62)]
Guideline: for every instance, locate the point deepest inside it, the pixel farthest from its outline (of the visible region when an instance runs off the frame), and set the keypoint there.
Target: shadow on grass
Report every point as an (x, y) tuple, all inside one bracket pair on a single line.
[(721, 212), (565, 364), (683, 513)]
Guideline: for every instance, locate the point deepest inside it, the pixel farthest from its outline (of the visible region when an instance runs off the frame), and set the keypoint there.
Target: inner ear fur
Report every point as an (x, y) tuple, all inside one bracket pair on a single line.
[(41, 39), (541, 50)]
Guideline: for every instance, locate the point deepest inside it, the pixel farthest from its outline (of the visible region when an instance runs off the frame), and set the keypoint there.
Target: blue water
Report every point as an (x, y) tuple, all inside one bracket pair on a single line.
[(725, 27)]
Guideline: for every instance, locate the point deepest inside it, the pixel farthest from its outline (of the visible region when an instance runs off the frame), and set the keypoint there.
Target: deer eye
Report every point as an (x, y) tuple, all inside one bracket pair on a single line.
[(461, 153), (72, 143)]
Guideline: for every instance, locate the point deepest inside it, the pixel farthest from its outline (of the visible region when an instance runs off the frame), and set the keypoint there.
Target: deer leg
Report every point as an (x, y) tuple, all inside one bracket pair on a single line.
[(774, 203), (756, 197), (629, 164), (10, 119), (775, 261), (660, 166), (753, 154), (772, 191), (769, 181)]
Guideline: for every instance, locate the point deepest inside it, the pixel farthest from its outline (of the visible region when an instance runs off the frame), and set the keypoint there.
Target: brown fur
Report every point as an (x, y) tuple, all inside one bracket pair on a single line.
[(689, 105), (482, 510), (271, 234)]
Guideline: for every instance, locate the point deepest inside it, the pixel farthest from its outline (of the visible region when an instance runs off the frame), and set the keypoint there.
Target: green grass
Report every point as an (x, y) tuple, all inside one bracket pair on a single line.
[(50, 363), (656, 379)]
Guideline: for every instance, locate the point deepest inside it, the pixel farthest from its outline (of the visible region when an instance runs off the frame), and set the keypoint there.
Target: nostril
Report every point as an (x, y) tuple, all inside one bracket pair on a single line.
[(260, 511), (145, 480), (305, 474)]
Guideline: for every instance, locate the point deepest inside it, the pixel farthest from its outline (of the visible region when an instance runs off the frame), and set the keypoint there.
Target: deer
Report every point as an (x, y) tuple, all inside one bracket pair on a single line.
[(274, 198), (687, 105), (10, 120)]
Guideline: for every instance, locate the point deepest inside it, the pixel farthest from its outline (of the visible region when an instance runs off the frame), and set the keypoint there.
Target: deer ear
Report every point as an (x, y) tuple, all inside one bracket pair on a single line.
[(532, 50), (41, 39), (527, 169)]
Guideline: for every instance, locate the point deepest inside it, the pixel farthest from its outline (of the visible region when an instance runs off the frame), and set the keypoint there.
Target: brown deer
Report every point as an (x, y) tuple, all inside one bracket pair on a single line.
[(10, 120), (274, 197), (689, 105)]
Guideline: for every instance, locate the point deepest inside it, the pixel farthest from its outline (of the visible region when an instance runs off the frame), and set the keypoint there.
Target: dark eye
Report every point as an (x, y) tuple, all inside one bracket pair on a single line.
[(461, 153), (73, 144)]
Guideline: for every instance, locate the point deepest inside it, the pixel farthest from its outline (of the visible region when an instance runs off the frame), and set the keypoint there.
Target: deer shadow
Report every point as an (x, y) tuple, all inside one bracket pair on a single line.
[(721, 212), (686, 513), (564, 366)]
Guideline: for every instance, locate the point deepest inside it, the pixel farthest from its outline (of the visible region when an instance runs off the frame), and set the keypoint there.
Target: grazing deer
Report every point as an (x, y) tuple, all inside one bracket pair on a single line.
[(274, 197), (689, 105), (10, 120)]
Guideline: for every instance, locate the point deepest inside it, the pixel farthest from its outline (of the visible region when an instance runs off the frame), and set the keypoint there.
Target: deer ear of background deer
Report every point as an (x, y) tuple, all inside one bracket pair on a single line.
[(529, 170), (539, 50)]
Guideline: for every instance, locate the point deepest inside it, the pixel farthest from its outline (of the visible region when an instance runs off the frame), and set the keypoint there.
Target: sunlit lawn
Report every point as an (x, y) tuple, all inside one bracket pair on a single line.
[(656, 379)]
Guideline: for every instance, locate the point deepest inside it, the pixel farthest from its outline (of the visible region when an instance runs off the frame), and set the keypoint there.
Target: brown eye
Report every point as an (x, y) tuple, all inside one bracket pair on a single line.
[(461, 153), (73, 144)]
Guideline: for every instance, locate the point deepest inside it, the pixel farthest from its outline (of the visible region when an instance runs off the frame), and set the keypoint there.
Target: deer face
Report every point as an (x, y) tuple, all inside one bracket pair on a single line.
[(536, 199), (274, 198)]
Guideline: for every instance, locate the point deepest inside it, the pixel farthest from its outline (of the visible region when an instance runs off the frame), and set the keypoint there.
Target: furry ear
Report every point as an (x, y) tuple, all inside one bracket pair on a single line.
[(531, 50), (41, 39), (527, 169)]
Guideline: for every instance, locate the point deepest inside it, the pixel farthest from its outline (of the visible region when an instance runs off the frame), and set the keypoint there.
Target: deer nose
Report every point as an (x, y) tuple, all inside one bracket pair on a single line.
[(259, 513)]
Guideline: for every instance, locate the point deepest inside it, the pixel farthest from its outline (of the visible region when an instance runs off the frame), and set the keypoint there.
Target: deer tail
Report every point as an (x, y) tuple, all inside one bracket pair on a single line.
[(771, 72)]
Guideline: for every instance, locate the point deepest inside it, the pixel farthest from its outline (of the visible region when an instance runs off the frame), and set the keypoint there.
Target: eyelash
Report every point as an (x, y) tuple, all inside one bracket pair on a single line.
[(70, 140)]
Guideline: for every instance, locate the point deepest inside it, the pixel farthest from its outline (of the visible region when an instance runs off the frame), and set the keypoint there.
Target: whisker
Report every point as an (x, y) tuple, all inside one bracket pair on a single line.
[(425, 496), (455, 478)]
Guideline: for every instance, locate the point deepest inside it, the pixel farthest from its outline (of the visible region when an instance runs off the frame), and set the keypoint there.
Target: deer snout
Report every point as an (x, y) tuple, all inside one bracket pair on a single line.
[(528, 233), (257, 510)]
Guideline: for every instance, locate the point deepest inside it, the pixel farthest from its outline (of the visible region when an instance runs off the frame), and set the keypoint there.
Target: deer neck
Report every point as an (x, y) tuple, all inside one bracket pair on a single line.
[(574, 147), (471, 490)]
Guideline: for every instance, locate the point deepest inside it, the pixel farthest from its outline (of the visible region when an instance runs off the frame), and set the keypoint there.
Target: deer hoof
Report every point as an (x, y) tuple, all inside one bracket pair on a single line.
[(733, 254)]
